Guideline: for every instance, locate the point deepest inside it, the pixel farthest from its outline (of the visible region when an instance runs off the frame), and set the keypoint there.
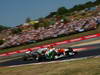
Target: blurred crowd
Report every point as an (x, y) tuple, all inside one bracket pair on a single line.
[(54, 30)]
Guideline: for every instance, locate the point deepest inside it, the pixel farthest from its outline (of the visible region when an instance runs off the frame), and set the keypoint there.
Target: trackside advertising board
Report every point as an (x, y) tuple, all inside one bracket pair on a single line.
[(53, 44)]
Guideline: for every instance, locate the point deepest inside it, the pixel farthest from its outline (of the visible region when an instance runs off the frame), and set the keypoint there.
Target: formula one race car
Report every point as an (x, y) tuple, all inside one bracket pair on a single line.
[(48, 54)]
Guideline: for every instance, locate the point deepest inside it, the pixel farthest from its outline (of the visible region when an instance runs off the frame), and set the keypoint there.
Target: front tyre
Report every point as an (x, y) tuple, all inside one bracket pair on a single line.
[(70, 53)]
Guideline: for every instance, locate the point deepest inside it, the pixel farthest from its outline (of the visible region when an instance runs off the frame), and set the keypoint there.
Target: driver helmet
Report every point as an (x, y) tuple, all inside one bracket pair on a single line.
[(50, 47), (28, 52)]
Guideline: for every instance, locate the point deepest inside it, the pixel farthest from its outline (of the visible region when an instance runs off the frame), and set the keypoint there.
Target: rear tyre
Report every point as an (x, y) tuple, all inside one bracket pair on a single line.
[(41, 58), (25, 58)]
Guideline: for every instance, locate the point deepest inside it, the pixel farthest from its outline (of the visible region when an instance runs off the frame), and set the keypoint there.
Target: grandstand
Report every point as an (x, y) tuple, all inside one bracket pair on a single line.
[(53, 27)]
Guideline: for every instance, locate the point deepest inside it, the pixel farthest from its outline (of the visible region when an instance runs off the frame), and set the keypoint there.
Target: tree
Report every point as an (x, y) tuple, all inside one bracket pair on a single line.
[(2, 27), (77, 8), (51, 14), (28, 20), (1, 42), (97, 2), (89, 4), (36, 26), (62, 11), (16, 30)]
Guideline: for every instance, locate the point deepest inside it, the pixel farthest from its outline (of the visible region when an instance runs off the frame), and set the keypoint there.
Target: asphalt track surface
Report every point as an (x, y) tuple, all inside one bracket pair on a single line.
[(91, 52)]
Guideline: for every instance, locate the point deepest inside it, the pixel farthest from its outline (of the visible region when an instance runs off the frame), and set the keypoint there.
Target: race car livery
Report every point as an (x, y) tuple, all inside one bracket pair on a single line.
[(48, 54)]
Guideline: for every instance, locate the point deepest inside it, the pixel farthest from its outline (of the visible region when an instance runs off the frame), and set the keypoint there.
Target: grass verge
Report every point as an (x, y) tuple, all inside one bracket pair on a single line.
[(51, 40), (90, 66)]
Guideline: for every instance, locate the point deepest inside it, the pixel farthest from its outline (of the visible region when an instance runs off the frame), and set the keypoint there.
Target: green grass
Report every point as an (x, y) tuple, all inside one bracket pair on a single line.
[(51, 41), (90, 66)]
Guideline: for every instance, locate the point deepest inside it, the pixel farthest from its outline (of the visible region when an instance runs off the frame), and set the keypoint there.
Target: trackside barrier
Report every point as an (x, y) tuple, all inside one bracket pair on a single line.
[(53, 44)]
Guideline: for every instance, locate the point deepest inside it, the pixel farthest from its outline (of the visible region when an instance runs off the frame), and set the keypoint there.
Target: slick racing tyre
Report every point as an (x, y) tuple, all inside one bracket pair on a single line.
[(27, 57), (41, 58), (70, 53), (24, 58)]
